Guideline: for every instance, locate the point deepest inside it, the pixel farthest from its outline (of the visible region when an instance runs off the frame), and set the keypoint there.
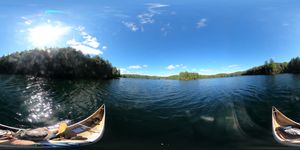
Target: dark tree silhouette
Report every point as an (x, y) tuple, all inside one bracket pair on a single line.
[(269, 68), (57, 63), (294, 65)]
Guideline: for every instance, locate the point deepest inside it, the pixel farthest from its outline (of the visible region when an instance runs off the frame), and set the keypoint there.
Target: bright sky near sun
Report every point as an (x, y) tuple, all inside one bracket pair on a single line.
[(158, 37)]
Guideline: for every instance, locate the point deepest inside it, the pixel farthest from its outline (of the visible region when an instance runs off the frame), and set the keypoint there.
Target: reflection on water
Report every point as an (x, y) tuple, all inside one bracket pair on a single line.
[(33, 102), (222, 113), (39, 102), (208, 118)]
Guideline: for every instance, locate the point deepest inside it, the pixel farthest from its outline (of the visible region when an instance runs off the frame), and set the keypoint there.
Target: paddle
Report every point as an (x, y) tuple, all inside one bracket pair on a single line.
[(62, 128)]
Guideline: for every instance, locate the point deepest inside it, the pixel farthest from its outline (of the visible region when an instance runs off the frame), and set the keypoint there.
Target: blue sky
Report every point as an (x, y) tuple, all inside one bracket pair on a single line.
[(158, 37)]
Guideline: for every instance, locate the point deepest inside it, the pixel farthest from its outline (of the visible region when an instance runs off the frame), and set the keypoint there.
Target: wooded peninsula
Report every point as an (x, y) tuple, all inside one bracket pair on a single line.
[(57, 63)]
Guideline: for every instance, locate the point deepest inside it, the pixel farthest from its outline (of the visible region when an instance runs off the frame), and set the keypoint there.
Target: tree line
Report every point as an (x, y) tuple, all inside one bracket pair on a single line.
[(268, 68), (57, 63), (183, 76), (271, 68)]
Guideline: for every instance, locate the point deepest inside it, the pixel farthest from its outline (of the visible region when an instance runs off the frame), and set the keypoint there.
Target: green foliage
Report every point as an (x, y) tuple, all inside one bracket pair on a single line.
[(141, 76), (294, 65), (57, 63), (195, 76), (269, 68), (188, 76), (183, 76)]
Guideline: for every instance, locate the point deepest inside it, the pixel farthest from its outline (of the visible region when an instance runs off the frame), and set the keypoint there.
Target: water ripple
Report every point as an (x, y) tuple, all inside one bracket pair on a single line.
[(226, 110)]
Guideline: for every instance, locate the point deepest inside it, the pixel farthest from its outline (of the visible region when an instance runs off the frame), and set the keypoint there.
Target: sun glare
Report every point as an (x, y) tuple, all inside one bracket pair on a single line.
[(46, 35)]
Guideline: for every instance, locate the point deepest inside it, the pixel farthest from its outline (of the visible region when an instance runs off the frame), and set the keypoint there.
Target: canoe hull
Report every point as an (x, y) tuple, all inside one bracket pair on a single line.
[(89, 129), (280, 120)]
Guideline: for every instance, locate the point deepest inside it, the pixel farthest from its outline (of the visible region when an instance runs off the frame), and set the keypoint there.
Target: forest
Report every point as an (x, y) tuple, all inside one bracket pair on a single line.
[(268, 68), (57, 63), (182, 76), (271, 68), (70, 63)]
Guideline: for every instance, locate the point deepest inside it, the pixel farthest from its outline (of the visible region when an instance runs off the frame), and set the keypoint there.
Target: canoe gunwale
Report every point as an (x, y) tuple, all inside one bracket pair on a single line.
[(10, 127), (89, 117)]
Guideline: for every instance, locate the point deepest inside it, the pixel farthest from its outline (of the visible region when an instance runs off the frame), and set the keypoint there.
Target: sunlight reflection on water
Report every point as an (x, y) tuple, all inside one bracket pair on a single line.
[(158, 113), (38, 103)]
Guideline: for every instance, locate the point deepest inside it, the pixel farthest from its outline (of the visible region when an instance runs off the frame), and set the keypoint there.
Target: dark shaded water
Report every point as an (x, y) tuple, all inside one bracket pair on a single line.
[(223, 113)]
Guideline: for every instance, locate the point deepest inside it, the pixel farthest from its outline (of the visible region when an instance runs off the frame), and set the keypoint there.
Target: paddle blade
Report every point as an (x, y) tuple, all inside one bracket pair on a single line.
[(62, 128)]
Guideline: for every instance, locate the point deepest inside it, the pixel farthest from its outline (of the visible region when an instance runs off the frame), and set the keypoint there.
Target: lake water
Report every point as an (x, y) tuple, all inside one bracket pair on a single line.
[(220, 113)]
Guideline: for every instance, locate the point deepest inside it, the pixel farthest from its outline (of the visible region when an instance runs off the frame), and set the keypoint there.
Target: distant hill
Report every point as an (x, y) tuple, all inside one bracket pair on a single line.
[(57, 63)]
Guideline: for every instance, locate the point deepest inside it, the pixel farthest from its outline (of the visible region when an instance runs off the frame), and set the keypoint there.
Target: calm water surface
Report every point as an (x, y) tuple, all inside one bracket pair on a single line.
[(221, 113)]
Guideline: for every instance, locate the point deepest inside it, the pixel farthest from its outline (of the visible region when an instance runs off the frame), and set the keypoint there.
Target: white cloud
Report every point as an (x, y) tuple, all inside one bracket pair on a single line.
[(137, 66), (26, 20), (89, 45), (83, 48), (88, 39), (234, 66), (152, 10), (124, 71), (146, 17), (131, 25), (152, 7), (104, 47), (201, 23), (171, 67), (91, 41)]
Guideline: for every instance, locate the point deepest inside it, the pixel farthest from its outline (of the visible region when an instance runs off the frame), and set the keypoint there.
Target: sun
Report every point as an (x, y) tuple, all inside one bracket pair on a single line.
[(46, 35)]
